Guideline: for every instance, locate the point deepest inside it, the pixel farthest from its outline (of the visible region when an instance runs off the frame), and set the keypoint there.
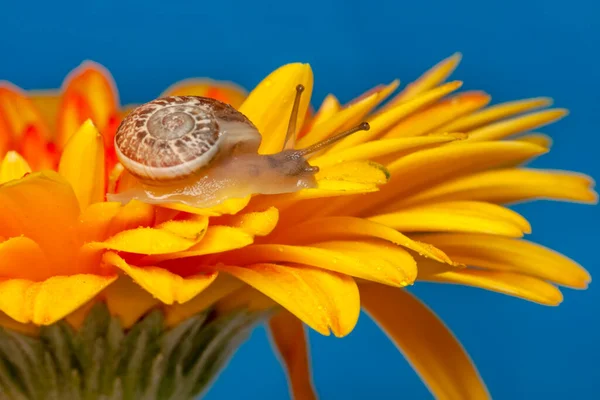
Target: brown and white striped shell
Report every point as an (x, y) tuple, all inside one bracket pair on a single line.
[(173, 137)]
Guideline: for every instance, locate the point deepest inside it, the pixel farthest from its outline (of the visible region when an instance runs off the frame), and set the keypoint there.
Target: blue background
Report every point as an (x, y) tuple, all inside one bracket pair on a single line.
[(512, 49)]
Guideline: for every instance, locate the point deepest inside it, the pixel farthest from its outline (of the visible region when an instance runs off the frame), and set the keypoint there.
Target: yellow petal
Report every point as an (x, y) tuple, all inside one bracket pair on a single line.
[(537, 138), (389, 116), (326, 188), (82, 164), (226, 92), (229, 206), (144, 241), (516, 125), (259, 223), (13, 167), (134, 214), (332, 228), (329, 107), (27, 329), (167, 287), (322, 299), (77, 318), (355, 171), (221, 287), (430, 347), (44, 303), (269, 105), (509, 283), (377, 148), (429, 120), (466, 216), (374, 267), (291, 342), (494, 113), (342, 120), (433, 77), (505, 254), (128, 301), (193, 228), (511, 185), (216, 240), (418, 171), (349, 116), (247, 298)]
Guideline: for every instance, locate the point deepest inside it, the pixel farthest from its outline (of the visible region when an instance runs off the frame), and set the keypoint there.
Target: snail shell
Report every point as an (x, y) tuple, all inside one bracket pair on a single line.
[(200, 152), (174, 137)]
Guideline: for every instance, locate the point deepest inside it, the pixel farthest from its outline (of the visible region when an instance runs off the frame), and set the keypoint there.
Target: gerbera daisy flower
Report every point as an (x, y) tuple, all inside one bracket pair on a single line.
[(140, 299)]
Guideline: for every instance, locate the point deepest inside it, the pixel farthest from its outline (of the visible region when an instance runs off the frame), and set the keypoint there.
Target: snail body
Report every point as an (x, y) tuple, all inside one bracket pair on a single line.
[(200, 152)]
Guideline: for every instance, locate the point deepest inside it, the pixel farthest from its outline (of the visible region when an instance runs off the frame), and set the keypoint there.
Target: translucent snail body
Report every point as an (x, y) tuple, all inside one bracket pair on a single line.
[(200, 152)]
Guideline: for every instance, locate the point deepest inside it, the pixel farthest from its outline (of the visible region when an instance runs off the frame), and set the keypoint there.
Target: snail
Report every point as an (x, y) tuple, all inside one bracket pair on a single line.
[(200, 152)]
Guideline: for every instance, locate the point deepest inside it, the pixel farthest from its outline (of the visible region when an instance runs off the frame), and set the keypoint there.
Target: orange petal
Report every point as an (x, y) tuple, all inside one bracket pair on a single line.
[(433, 77), (269, 105), (25, 205), (44, 303), (439, 114), (35, 148), (333, 228), (13, 167), (89, 93), (47, 102), (167, 287), (505, 254), (430, 347), (221, 287), (502, 129), (82, 164), (226, 92), (95, 221), (128, 301), (18, 113), (291, 342), (322, 299), (17, 252), (494, 113)]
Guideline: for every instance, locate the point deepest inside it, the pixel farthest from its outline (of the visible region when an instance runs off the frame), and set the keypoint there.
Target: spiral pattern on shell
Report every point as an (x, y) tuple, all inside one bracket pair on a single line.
[(172, 137)]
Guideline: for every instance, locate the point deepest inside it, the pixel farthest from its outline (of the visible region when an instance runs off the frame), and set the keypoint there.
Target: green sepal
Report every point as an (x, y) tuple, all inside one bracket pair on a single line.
[(103, 361)]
